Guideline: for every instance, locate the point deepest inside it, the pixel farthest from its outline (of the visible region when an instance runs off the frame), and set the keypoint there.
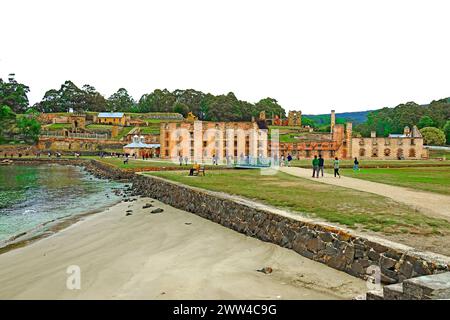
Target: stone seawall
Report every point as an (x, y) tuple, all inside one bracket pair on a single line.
[(341, 249)]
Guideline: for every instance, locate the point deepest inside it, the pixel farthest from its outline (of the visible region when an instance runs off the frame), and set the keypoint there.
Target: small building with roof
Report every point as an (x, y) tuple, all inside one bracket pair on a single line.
[(139, 148), (112, 118)]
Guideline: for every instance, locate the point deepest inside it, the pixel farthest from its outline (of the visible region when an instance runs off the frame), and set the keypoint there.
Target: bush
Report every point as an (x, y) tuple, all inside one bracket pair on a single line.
[(433, 136), (447, 131)]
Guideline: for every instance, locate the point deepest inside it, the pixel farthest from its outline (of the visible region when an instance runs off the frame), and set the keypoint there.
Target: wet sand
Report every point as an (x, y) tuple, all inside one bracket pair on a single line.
[(169, 255)]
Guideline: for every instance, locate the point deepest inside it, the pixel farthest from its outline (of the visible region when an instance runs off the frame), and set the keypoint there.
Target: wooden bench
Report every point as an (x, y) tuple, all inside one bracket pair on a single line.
[(200, 170)]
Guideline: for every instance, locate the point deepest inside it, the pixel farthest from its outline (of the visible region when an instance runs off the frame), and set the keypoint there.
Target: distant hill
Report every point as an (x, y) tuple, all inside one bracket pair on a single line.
[(356, 117)]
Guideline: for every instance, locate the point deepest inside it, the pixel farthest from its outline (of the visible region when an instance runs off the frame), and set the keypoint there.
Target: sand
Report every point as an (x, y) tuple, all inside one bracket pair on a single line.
[(432, 204), (170, 255)]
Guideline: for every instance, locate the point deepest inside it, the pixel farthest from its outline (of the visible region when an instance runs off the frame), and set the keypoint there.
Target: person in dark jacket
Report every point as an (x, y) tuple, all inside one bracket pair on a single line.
[(315, 164), (356, 165), (321, 165)]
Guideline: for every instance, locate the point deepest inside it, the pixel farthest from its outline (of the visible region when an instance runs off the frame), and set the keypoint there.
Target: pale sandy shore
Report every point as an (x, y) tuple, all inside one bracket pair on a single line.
[(170, 255)]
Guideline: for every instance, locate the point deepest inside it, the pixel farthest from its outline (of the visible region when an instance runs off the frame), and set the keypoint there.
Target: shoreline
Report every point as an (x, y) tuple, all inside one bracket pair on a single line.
[(170, 255), (47, 229)]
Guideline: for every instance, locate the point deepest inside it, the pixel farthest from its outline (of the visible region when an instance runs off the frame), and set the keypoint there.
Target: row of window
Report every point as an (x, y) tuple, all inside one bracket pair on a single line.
[(388, 141), (387, 152)]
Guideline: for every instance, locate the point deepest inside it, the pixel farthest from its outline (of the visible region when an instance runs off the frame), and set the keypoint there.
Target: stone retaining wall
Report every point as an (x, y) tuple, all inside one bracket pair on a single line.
[(338, 248)]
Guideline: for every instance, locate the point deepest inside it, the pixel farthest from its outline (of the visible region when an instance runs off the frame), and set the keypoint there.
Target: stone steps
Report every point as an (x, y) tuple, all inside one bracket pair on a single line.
[(432, 287)]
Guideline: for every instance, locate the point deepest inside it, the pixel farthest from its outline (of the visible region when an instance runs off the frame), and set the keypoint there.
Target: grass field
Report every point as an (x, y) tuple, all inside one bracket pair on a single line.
[(57, 126), (433, 179), (306, 163), (434, 154), (348, 207), (151, 163)]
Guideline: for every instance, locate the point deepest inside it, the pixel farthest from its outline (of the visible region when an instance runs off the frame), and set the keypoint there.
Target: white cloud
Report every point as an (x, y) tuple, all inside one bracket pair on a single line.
[(310, 55)]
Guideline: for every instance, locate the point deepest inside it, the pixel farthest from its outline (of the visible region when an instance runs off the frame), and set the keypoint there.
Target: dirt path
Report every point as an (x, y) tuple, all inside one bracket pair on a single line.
[(432, 204)]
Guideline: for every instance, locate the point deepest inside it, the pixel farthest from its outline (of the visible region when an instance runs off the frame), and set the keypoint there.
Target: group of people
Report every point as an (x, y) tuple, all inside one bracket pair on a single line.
[(286, 161), (318, 164)]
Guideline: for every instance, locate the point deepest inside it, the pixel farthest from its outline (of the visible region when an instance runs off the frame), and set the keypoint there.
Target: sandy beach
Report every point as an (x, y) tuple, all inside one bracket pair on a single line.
[(168, 255)]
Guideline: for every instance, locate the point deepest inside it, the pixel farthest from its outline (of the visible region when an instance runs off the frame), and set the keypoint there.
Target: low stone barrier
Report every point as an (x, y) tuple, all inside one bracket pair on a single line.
[(341, 249)]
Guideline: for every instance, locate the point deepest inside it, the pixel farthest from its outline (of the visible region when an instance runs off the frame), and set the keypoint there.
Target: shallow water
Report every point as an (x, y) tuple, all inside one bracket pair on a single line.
[(32, 195)]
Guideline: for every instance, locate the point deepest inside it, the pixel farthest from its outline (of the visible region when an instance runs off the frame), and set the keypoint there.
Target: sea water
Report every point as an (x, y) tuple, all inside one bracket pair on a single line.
[(33, 195)]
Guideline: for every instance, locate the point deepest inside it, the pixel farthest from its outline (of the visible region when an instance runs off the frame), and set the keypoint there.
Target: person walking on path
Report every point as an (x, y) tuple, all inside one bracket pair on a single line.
[(315, 164), (180, 159), (289, 159), (336, 167), (356, 165), (321, 165)]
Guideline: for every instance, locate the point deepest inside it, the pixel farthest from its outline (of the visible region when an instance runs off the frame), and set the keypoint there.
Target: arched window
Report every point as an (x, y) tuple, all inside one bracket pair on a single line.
[(387, 152), (400, 153), (412, 153), (362, 152), (374, 152)]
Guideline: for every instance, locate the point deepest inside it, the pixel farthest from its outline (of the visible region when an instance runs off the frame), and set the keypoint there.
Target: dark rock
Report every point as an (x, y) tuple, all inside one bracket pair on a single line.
[(157, 210), (265, 270), (147, 205), (129, 214), (379, 248), (406, 269), (330, 250), (314, 245), (386, 262), (326, 236), (349, 253), (337, 262), (359, 253), (357, 268), (387, 280), (373, 255), (421, 268), (364, 262)]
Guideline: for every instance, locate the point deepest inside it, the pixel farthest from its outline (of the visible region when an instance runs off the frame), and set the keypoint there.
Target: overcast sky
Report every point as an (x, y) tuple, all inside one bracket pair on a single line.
[(309, 55)]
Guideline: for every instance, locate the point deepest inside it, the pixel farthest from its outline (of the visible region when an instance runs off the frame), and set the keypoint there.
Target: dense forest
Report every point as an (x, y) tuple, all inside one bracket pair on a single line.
[(205, 105), (392, 120), (14, 102)]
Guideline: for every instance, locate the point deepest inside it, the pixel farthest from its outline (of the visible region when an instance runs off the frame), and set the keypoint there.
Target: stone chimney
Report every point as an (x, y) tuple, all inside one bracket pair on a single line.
[(407, 131), (332, 121), (373, 134)]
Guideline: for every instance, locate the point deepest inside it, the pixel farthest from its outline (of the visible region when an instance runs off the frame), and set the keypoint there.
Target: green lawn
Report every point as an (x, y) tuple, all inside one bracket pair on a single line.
[(434, 154), (306, 163), (149, 130), (133, 164), (348, 207), (434, 179), (124, 132), (57, 126), (151, 163), (99, 127)]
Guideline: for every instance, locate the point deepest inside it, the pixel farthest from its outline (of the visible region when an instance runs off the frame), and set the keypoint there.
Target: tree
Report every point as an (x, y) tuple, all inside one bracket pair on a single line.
[(270, 106), (7, 121), (425, 121), (433, 136), (181, 108), (121, 101), (70, 96), (29, 126), (14, 94), (447, 131), (91, 100)]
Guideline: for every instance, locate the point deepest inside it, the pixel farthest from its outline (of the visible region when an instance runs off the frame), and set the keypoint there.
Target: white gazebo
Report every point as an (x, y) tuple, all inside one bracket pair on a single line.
[(139, 148)]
